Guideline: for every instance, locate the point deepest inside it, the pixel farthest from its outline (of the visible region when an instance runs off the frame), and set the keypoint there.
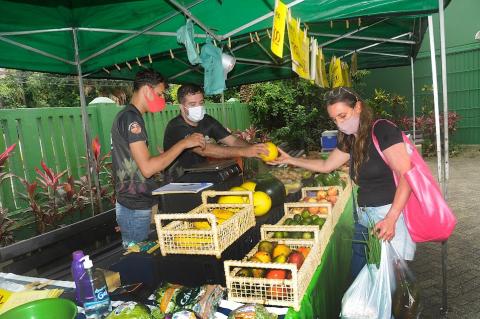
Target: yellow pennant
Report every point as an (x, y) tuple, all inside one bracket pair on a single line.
[(347, 80), (321, 78), (299, 47), (337, 74), (278, 30)]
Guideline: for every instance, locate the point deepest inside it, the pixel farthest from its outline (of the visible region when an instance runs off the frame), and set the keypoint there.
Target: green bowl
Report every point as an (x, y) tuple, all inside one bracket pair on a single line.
[(43, 309)]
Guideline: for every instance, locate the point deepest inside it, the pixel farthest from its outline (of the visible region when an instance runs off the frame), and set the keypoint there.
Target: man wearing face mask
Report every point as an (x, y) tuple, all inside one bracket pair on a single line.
[(133, 166), (193, 119)]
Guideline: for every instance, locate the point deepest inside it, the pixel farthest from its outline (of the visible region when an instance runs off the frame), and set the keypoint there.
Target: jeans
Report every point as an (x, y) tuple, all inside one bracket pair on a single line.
[(134, 223), (359, 259), (402, 241)]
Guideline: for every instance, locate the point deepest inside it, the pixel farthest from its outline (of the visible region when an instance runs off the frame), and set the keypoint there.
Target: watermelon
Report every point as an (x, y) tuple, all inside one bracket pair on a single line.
[(273, 187)]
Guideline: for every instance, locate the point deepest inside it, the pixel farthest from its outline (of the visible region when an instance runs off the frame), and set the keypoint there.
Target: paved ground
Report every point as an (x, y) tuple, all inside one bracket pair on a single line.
[(463, 246)]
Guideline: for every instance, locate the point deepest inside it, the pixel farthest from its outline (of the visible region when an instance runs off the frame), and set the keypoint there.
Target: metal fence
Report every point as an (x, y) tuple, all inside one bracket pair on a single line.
[(55, 136)]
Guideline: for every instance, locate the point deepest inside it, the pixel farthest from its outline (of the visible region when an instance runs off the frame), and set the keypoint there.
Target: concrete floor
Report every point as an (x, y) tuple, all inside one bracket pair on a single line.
[(463, 269)]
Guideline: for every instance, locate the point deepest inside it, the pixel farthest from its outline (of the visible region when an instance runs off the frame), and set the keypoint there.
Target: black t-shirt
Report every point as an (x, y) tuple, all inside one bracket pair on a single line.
[(177, 129), (132, 189), (375, 178)]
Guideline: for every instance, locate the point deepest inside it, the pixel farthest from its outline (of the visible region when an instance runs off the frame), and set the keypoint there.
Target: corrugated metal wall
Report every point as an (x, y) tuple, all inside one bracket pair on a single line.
[(463, 70)]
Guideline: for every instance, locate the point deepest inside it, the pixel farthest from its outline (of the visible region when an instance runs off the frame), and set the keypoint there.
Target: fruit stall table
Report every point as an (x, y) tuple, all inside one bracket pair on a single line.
[(332, 277)]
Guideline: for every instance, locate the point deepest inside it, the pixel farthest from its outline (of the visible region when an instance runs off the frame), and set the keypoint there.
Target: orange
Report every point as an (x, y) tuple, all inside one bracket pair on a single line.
[(281, 249), (272, 152)]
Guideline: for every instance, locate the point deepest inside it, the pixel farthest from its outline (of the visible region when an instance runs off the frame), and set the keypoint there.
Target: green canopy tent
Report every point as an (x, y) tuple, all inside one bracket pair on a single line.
[(114, 39)]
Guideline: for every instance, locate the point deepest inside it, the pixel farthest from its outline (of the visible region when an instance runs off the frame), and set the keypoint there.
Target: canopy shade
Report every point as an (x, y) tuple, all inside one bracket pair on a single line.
[(112, 35)]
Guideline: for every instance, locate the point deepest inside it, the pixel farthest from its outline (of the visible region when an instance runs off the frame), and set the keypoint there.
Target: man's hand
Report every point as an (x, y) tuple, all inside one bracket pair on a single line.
[(195, 140), (256, 150), (283, 158)]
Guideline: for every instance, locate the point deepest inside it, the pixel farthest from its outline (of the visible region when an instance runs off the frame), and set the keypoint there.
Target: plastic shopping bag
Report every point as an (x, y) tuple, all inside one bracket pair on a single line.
[(406, 298), (370, 295)]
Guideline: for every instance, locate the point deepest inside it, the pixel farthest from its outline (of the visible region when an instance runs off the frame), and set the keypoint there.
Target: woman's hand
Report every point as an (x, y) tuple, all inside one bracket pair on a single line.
[(385, 229), (283, 158)]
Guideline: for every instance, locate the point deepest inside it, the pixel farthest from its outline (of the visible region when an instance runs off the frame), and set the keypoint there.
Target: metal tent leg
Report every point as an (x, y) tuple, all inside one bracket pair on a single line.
[(92, 165), (443, 58), (413, 100), (441, 179)]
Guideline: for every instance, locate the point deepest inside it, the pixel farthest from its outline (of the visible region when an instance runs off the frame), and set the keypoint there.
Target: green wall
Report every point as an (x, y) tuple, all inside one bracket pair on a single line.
[(463, 69)]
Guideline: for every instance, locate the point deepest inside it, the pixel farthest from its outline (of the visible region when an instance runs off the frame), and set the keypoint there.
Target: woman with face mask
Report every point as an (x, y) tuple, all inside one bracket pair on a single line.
[(378, 199)]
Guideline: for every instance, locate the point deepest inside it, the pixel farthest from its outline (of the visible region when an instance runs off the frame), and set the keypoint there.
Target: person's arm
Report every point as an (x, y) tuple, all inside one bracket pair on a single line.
[(399, 162), (235, 147), (336, 159), (150, 165)]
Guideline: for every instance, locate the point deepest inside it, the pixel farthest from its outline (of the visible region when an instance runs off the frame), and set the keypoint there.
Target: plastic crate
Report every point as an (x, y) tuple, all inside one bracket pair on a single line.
[(178, 235), (276, 292)]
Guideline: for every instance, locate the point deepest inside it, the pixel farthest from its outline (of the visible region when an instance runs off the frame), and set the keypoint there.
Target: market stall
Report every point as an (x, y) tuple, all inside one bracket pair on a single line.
[(96, 29)]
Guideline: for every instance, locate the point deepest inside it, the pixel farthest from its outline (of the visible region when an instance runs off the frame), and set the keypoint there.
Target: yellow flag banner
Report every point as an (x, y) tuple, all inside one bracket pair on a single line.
[(321, 78), (297, 40), (347, 80), (354, 63), (337, 74), (278, 30), (305, 55)]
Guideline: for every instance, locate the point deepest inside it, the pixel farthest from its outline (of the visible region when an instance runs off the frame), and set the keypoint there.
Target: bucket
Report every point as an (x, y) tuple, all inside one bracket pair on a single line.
[(329, 139)]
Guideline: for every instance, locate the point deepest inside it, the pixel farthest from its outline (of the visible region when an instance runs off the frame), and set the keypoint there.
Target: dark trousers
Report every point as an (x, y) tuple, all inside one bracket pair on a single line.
[(359, 259)]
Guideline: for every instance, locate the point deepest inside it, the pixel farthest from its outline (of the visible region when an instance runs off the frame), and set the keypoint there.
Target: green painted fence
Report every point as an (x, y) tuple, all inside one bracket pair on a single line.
[(55, 136)]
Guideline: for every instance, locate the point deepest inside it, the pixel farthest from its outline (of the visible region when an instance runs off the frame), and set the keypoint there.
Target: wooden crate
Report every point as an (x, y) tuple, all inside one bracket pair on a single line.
[(178, 235), (277, 292)]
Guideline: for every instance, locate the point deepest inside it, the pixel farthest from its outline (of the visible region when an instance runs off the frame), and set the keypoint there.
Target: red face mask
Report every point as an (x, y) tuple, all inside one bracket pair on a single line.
[(157, 104)]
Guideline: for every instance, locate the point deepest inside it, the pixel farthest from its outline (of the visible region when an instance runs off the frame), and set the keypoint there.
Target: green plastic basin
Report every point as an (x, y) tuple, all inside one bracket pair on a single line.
[(49, 308)]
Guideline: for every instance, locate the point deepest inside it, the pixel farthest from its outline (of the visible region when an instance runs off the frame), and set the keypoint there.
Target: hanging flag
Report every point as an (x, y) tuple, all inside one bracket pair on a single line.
[(347, 80), (296, 40), (321, 78), (337, 74), (354, 63), (313, 59), (305, 55), (330, 70), (278, 30)]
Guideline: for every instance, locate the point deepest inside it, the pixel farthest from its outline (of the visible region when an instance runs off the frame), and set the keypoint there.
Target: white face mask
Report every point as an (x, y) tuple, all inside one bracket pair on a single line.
[(196, 113)]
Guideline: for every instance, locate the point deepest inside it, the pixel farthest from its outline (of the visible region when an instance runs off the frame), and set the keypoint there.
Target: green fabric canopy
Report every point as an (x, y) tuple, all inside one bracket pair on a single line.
[(112, 35)]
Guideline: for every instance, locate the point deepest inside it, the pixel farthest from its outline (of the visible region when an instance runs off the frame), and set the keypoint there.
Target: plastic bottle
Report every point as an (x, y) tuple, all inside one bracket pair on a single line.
[(94, 296), (79, 272)]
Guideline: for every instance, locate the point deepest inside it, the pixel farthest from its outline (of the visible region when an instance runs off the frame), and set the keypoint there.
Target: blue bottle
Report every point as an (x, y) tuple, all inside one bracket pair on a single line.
[(94, 296)]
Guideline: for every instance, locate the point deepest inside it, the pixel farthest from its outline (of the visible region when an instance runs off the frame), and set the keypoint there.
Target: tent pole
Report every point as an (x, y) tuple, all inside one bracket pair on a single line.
[(92, 165), (340, 37), (443, 310), (224, 110), (435, 99), (443, 58), (413, 100), (357, 37)]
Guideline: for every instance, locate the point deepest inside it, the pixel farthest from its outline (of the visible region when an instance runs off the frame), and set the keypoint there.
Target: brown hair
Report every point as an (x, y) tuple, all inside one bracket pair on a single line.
[(358, 146)]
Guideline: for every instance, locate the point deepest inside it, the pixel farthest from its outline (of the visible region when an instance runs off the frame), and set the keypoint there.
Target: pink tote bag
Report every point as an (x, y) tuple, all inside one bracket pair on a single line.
[(427, 215)]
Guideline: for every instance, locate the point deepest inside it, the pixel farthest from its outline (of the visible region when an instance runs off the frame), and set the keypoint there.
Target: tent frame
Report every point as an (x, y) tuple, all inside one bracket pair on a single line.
[(443, 168)]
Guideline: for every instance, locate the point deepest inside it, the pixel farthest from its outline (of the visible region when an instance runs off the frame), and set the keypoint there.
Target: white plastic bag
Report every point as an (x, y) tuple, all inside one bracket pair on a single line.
[(370, 295)]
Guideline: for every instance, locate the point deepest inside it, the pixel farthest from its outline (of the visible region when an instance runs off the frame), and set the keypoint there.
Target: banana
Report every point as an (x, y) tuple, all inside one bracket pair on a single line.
[(222, 213), (203, 225), (187, 242)]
